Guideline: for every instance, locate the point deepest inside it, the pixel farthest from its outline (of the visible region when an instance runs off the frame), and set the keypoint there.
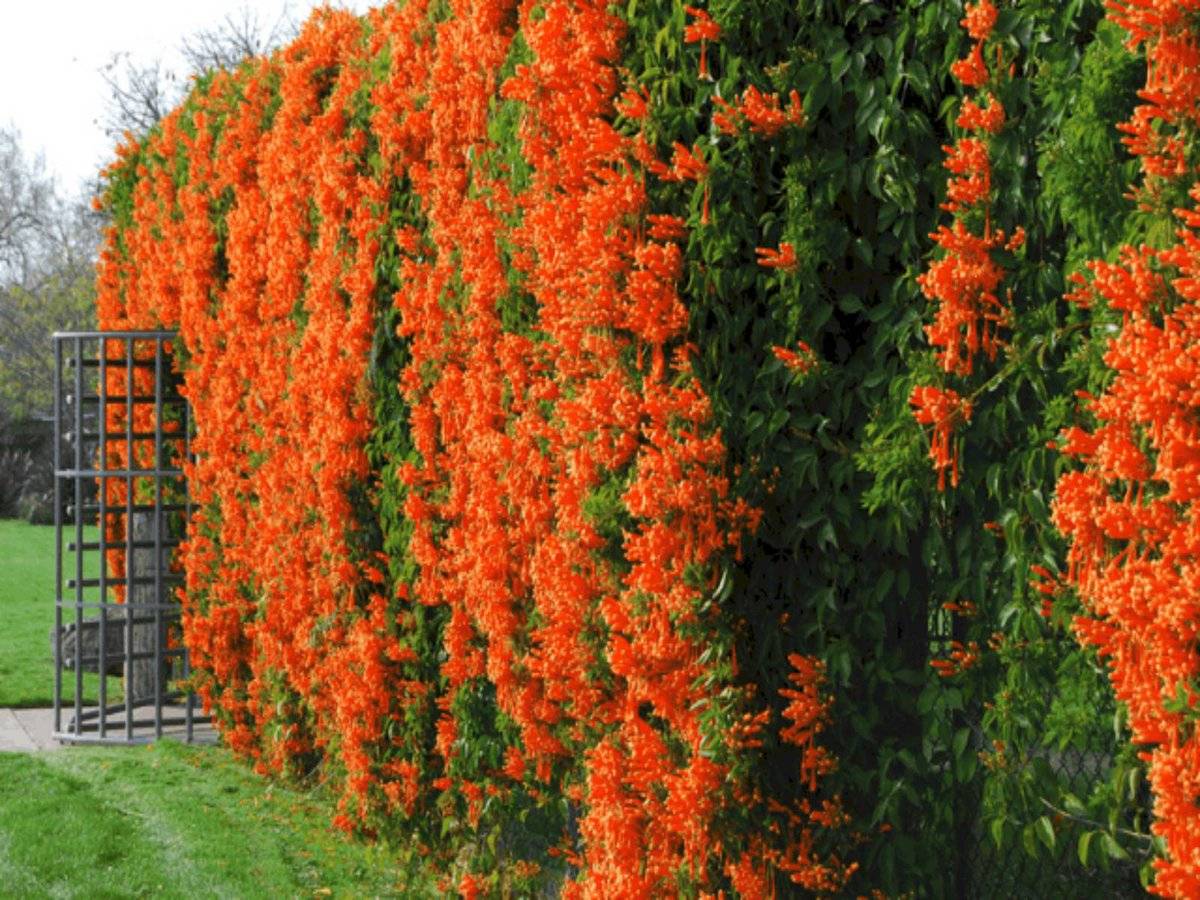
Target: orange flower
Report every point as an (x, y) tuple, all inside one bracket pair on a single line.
[(980, 19), (634, 104), (783, 258), (688, 165), (946, 411), (802, 362), (703, 29), (989, 118)]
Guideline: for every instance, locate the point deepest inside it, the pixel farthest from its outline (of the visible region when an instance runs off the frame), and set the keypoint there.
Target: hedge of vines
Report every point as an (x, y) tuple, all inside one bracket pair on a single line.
[(627, 433)]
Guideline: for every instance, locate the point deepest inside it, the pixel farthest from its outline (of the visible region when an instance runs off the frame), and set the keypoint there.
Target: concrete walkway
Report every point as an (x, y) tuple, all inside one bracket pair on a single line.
[(32, 730), (27, 730)]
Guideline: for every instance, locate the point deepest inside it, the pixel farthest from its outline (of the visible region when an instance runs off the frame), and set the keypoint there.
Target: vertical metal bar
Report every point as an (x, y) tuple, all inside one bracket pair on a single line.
[(77, 349), (58, 534), (129, 567), (102, 504), (158, 548), (186, 409)]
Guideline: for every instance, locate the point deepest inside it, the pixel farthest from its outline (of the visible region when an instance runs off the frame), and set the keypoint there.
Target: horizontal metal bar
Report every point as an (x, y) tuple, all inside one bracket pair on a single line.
[(95, 582), (117, 658), (168, 608), (143, 614), (115, 335), (92, 437), (118, 728), (90, 715), (71, 737), (117, 399), (137, 435), (143, 703), (117, 363), (118, 473), (122, 509), (121, 545)]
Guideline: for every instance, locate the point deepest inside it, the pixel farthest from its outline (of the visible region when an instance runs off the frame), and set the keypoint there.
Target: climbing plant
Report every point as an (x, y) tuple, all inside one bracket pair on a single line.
[(627, 433)]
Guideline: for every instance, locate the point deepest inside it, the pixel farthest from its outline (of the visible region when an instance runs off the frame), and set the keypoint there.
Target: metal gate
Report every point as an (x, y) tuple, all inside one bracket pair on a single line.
[(122, 433)]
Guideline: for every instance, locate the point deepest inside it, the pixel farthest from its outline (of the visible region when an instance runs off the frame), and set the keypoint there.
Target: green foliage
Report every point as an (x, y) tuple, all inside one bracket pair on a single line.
[(857, 550), (1085, 169), (855, 193)]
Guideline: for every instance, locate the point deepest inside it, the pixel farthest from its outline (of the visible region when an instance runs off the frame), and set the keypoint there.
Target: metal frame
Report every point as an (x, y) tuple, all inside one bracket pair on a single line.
[(110, 427)]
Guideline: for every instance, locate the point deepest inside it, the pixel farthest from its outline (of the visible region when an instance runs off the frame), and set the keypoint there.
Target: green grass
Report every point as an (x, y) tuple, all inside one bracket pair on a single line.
[(27, 613), (168, 820), (171, 820)]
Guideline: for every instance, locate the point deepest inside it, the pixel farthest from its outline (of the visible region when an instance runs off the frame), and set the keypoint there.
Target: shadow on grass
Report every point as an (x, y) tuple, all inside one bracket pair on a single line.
[(171, 820)]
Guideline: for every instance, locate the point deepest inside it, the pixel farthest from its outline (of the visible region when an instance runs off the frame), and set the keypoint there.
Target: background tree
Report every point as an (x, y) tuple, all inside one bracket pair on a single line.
[(47, 256), (140, 94), (24, 196), (48, 241), (47, 269)]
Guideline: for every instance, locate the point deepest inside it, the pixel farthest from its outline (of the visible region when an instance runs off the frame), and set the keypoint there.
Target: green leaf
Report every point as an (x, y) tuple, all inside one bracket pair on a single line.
[(1045, 831), (816, 99), (839, 64), (1146, 873), (1029, 840), (997, 829), (827, 535), (1112, 848), (1134, 778), (1074, 804), (1085, 841), (778, 420), (960, 741)]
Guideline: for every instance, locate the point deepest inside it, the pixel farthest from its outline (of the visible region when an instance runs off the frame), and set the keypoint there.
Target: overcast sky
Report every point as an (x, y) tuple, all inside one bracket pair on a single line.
[(51, 52)]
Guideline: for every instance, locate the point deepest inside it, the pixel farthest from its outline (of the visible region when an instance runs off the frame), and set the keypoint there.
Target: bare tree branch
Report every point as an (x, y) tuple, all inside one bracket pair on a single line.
[(25, 201), (140, 95), (239, 37)]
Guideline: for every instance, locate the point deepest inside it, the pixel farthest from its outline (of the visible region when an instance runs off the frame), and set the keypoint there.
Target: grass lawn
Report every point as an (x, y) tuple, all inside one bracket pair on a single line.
[(166, 820), (169, 820), (27, 613)]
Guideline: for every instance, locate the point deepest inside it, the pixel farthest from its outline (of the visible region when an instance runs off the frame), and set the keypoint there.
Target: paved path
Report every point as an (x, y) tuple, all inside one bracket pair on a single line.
[(32, 730), (27, 730)]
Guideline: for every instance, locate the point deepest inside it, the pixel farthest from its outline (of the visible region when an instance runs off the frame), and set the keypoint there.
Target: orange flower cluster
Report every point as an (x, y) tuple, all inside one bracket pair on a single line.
[(762, 112), (295, 644), (1155, 131), (589, 659), (784, 258), (1130, 513), (261, 221), (802, 362), (807, 712), (961, 607), (961, 657), (965, 280), (1045, 583), (945, 410)]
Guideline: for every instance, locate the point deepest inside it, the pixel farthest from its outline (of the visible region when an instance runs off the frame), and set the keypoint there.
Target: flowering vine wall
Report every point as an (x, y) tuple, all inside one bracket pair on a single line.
[(567, 376), (402, 572)]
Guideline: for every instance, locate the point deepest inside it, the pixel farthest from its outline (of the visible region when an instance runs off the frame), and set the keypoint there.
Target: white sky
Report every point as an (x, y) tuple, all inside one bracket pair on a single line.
[(51, 51)]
